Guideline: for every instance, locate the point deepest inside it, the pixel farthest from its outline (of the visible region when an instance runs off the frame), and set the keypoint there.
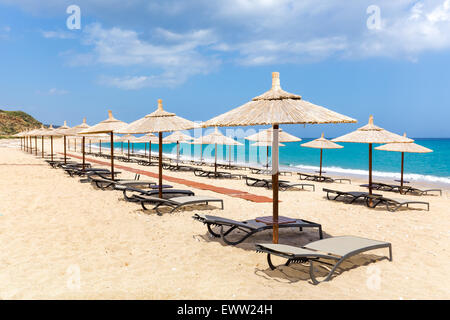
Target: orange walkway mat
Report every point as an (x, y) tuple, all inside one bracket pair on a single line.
[(189, 183)]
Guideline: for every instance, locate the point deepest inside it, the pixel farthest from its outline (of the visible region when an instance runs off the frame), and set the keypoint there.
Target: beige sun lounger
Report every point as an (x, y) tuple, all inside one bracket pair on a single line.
[(337, 249), (176, 202)]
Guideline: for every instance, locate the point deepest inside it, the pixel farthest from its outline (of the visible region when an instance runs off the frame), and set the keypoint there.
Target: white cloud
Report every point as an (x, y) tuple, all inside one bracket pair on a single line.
[(174, 58), (182, 39), (424, 27), (5, 32), (53, 92), (57, 34)]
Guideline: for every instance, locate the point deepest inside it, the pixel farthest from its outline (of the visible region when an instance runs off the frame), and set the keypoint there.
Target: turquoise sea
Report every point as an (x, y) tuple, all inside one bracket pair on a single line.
[(351, 160)]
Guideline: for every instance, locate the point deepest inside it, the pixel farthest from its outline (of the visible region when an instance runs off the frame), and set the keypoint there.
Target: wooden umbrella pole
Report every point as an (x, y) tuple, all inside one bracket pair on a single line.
[(370, 168), (145, 149), (90, 149), (215, 159), (112, 155), (267, 157), (132, 147), (42, 148), (35, 142), (100, 141), (201, 153), (65, 156), (121, 147), (160, 165), (275, 182), (51, 144), (82, 149), (320, 170), (403, 160), (150, 152), (128, 145)]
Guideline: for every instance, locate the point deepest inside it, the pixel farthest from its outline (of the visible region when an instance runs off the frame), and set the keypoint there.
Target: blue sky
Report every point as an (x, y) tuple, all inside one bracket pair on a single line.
[(206, 57)]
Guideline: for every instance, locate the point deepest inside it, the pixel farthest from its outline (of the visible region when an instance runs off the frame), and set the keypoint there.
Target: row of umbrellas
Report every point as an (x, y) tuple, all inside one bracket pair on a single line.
[(273, 107)]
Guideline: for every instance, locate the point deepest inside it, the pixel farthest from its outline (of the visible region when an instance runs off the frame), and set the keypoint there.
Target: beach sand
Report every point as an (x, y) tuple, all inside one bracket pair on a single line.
[(62, 239)]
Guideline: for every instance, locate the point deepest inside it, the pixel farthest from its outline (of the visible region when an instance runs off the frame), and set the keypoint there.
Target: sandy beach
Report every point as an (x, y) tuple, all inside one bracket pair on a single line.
[(62, 239)]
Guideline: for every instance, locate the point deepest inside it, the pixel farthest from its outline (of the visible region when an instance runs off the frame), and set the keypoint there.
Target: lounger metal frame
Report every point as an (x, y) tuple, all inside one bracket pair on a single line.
[(173, 203), (247, 229), (315, 256)]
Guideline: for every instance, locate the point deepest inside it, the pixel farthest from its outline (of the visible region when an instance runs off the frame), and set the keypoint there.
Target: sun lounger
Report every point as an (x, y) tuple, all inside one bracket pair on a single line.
[(317, 178), (352, 195), (218, 174), (176, 202), (282, 184), (129, 192), (392, 204), (401, 189), (337, 249), (248, 227), (103, 183), (76, 171)]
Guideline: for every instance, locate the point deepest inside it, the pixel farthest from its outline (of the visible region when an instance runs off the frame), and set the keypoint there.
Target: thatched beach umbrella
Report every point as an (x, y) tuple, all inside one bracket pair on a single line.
[(50, 132), (370, 134), (159, 121), (267, 145), (128, 138), (266, 136), (177, 137), (34, 133), (216, 138), (63, 130), (409, 147), (110, 126), (276, 107), (74, 132), (149, 137), (321, 143)]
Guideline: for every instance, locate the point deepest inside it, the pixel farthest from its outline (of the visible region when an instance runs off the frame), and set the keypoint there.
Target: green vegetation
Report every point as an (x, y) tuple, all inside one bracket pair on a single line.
[(12, 122)]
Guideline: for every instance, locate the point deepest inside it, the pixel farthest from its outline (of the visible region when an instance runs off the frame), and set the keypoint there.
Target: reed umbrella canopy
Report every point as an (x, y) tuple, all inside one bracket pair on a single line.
[(63, 130), (265, 144), (111, 126), (159, 121), (370, 133), (50, 132), (148, 138), (266, 138), (404, 147), (321, 143), (128, 138), (216, 138), (276, 107), (177, 137)]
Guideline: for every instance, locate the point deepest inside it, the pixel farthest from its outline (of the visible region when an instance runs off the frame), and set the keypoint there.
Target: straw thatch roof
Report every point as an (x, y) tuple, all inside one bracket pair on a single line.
[(216, 137), (34, 132), (149, 137), (404, 147), (371, 133), (177, 136), (322, 143), (96, 138), (277, 106), (50, 132), (267, 135), (109, 125), (126, 138), (63, 129), (265, 144), (75, 130), (159, 121)]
